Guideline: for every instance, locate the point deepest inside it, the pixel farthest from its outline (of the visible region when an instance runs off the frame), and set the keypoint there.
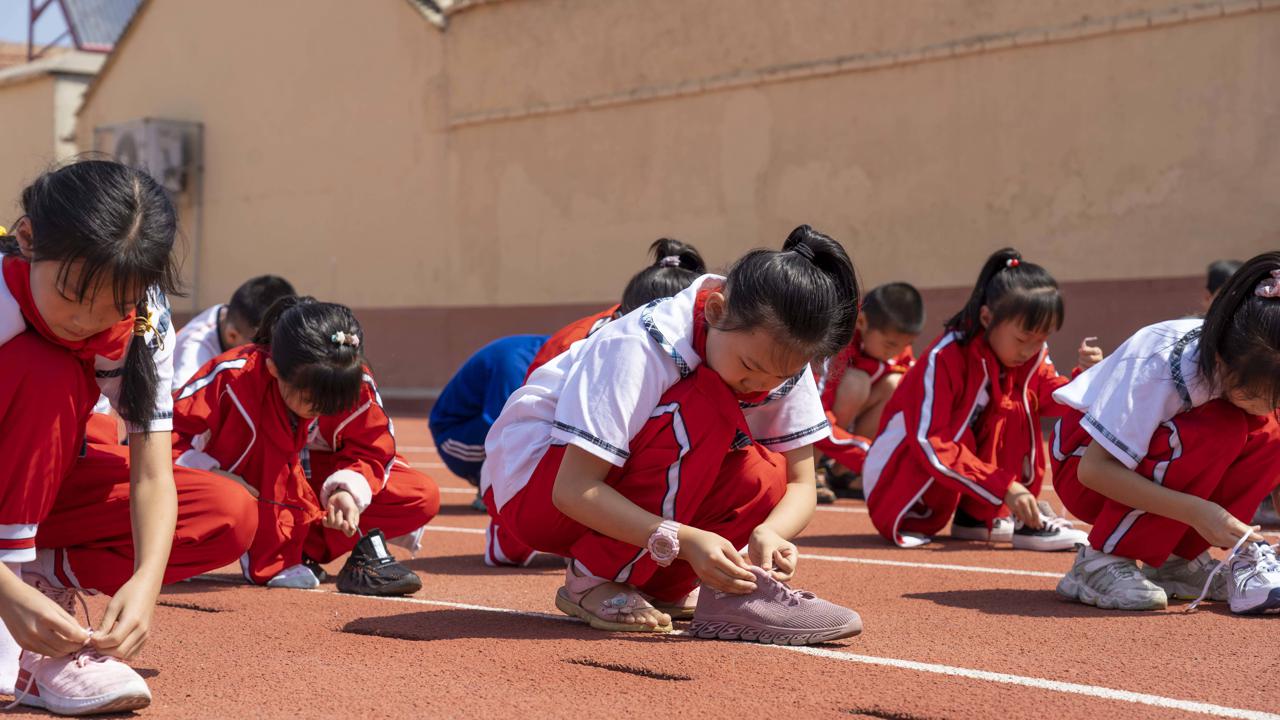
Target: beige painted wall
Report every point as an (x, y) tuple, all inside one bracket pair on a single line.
[(26, 139), (355, 148)]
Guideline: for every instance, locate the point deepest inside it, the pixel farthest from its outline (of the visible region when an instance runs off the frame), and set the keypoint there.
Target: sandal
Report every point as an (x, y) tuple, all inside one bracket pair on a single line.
[(576, 587), (682, 609)]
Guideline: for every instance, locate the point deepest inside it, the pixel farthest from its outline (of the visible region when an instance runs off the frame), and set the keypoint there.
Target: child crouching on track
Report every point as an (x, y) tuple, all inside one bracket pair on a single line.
[(304, 385), (650, 453), (960, 440), (1172, 444)]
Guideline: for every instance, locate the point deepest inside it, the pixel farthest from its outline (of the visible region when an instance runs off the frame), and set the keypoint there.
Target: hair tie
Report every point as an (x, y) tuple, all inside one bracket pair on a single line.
[(142, 325), (803, 251), (669, 261), (1269, 287), (1012, 263), (344, 338)]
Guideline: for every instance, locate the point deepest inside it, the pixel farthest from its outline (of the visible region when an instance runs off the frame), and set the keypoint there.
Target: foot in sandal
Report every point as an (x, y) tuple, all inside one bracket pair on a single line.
[(606, 605)]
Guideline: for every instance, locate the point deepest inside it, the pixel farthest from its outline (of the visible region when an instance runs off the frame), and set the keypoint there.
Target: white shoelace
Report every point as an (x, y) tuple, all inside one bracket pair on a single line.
[(1214, 573), (81, 656)]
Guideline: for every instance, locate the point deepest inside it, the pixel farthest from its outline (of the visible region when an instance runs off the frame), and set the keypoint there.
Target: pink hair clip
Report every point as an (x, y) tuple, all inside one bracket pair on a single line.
[(343, 338), (669, 261), (1270, 287)]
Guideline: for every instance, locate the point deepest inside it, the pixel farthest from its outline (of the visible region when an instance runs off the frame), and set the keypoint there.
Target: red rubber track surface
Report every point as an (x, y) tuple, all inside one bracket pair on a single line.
[(480, 642)]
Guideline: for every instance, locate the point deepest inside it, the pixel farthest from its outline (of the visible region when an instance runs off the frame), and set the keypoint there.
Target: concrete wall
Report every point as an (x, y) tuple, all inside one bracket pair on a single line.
[(506, 175), (26, 140)]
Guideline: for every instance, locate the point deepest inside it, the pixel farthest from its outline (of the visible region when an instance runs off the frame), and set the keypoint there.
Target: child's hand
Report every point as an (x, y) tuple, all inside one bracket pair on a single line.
[(1023, 505), (1219, 527), (38, 624), (1089, 354), (343, 513), (238, 480), (771, 551), (716, 561), (127, 621)]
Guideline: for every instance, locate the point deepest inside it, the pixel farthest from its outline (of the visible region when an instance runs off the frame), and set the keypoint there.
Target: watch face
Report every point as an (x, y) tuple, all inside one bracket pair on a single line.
[(663, 546)]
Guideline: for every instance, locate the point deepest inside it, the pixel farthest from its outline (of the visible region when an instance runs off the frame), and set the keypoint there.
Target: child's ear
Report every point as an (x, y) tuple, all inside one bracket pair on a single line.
[(23, 232), (861, 323), (715, 308), (984, 317), (271, 368)]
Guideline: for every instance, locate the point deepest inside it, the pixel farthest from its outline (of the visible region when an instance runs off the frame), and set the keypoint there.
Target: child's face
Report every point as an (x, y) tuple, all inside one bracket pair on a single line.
[(748, 361), (1012, 344), (69, 318), (294, 399), (883, 345)]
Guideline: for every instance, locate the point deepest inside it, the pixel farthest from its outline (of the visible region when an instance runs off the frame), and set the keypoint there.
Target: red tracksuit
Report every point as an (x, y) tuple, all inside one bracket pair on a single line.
[(727, 484), (362, 442), (960, 428), (1215, 451), (60, 492), (560, 341), (232, 416), (845, 447)]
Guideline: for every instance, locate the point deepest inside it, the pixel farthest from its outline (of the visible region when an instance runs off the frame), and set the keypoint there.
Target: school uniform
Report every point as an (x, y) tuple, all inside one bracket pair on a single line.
[(957, 432), (473, 400), (681, 443), (1149, 408), (579, 329), (845, 447), (59, 491), (199, 341), (232, 417)]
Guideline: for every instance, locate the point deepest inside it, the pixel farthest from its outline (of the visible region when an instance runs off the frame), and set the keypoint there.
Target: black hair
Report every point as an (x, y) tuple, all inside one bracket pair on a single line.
[(301, 335), (118, 223), (675, 266), (250, 301), (1219, 272), (894, 306), (1240, 339), (1012, 289), (806, 294)]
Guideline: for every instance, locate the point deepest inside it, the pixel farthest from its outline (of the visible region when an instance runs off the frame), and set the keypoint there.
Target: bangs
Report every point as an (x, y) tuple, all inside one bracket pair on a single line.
[(330, 390), (1038, 311), (1256, 375), (90, 269)]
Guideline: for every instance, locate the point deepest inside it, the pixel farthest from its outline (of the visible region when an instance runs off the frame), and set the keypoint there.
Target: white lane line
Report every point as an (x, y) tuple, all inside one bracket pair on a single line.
[(1105, 693), (459, 491), (416, 448), (860, 510), (842, 559), (1034, 683)]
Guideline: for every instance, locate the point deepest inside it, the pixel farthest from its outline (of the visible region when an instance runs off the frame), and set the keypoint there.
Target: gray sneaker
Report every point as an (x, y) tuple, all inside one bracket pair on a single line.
[(1184, 579), (1255, 579), (1110, 582)]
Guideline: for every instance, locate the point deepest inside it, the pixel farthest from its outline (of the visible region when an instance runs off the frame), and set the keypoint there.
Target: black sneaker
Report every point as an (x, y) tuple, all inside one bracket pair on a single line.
[(966, 527), (370, 570), (825, 495), (316, 569)]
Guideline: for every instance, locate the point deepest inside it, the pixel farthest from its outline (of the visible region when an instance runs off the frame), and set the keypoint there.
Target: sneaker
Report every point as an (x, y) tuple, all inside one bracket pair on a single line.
[(370, 570), (296, 577), (478, 505), (1185, 579), (410, 541), (1254, 585), (774, 613), (1055, 533), (826, 496), (1110, 582), (82, 683), (316, 569), (966, 527), (1267, 516)]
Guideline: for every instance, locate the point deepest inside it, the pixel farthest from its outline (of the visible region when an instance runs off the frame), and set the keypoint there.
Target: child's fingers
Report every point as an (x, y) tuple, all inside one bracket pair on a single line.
[(736, 573)]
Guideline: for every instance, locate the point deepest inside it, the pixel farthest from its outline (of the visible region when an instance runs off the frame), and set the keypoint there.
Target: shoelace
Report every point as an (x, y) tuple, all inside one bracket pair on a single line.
[(1204, 592), (786, 594), (81, 657)]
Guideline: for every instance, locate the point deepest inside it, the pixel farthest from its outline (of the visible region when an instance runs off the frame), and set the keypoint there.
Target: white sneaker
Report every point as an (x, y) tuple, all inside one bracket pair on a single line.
[(965, 527), (1110, 582), (298, 577), (1055, 534), (410, 541), (82, 683), (1184, 579), (1254, 584)]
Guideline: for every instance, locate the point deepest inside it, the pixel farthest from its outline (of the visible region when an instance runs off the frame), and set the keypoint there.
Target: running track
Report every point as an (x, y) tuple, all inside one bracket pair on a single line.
[(953, 630)]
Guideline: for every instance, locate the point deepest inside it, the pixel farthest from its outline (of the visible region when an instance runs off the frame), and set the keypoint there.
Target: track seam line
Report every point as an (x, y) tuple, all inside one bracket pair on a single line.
[(1035, 683)]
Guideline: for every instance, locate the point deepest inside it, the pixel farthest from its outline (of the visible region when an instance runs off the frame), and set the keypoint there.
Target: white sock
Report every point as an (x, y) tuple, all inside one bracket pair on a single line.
[(9, 650)]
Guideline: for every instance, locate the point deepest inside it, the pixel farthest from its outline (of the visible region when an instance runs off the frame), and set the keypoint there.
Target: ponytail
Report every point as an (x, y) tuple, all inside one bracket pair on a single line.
[(1011, 289), (806, 294), (1240, 338), (675, 266), (137, 404), (317, 348)]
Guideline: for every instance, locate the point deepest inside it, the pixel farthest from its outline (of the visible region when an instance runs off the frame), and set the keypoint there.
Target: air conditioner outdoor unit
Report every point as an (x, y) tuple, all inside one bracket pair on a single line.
[(169, 150)]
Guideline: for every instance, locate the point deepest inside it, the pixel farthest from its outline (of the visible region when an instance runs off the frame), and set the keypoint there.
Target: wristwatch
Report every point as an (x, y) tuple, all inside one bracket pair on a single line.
[(664, 543)]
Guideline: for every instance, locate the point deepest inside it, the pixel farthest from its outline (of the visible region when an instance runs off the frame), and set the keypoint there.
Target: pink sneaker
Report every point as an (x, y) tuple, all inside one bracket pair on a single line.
[(82, 683), (774, 613)]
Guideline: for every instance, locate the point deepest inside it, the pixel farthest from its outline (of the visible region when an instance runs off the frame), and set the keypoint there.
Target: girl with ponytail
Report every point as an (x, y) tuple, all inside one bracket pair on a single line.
[(1170, 446), (960, 439), (83, 312), (649, 453), (675, 265)]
